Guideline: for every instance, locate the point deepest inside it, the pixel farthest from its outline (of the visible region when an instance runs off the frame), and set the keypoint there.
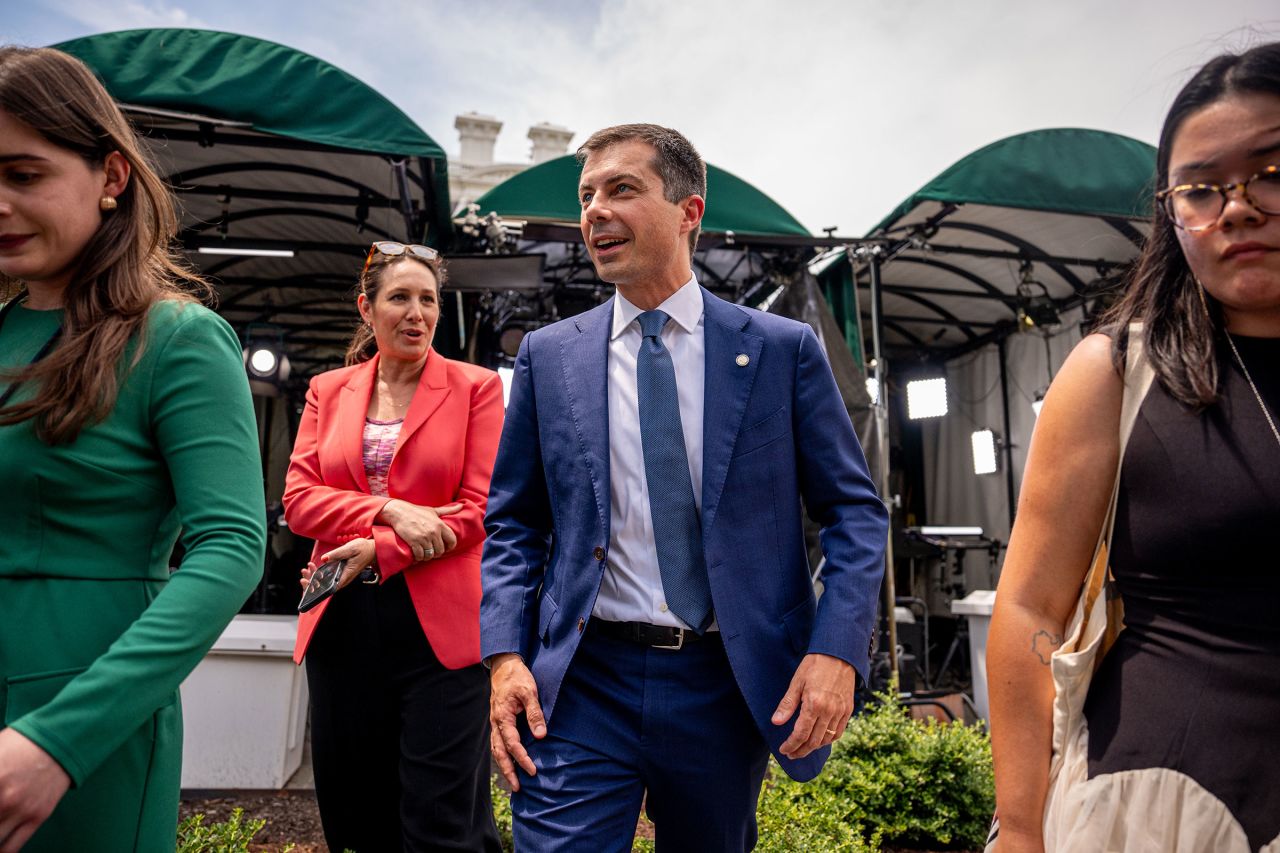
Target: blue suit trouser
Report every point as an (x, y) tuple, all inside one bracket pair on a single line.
[(631, 719)]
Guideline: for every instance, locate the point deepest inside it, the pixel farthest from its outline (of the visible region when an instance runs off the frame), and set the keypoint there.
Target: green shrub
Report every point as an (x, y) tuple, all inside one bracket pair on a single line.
[(501, 812), (794, 816), (926, 785), (231, 836)]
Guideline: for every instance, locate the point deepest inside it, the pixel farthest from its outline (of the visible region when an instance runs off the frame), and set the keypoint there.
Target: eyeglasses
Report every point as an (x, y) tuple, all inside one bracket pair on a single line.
[(1195, 207), (391, 249)]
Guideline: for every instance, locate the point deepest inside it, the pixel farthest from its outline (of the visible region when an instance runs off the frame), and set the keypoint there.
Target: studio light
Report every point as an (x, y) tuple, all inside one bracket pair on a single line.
[(246, 252), (509, 316), (985, 459), (265, 359), (950, 531), (1035, 309), (511, 335), (1039, 311), (873, 390), (926, 398)]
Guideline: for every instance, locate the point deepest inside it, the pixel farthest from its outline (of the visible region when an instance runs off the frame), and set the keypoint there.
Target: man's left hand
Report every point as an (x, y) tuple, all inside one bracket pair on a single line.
[(822, 689)]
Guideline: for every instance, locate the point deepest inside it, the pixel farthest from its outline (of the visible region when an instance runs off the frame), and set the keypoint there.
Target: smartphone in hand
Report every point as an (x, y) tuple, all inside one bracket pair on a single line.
[(324, 583)]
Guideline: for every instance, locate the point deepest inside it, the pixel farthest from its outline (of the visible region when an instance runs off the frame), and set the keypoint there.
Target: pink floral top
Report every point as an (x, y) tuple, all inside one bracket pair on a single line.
[(378, 448)]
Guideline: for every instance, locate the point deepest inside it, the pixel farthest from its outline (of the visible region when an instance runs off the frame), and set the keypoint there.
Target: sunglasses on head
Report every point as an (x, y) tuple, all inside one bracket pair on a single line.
[(391, 249)]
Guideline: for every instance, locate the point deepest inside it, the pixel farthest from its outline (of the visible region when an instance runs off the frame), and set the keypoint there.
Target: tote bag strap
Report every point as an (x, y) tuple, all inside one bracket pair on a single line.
[(1138, 376)]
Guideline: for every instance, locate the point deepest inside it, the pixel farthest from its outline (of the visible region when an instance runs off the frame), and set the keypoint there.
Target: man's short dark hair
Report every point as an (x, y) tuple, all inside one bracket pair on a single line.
[(675, 160)]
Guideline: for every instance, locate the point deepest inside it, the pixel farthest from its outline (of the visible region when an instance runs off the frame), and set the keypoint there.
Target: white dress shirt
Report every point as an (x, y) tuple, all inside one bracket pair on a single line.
[(631, 590)]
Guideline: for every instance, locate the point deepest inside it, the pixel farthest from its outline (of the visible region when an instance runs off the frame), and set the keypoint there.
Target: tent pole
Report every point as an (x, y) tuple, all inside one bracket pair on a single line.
[(873, 253), (1008, 443), (406, 199)]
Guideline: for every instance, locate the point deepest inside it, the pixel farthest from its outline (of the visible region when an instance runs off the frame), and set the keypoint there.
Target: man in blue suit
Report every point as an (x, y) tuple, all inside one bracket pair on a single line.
[(648, 614)]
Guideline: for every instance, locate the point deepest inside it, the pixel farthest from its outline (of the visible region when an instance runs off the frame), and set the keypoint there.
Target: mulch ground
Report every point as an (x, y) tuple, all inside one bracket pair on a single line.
[(291, 816)]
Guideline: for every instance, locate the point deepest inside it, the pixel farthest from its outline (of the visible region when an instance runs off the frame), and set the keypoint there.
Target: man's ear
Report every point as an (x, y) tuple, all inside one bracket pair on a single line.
[(115, 171), (692, 207)]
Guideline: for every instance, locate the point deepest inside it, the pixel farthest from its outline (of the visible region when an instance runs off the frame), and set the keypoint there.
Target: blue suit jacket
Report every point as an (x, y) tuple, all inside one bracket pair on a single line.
[(775, 432)]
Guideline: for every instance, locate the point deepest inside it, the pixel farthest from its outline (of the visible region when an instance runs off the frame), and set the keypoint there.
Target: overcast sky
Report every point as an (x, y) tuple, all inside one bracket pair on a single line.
[(838, 110)]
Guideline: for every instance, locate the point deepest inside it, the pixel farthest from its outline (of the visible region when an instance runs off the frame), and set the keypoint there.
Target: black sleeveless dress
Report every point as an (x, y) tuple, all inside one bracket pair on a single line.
[(1193, 683)]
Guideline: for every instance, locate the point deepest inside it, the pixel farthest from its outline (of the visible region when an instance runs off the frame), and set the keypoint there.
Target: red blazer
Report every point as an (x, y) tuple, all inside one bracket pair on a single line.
[(444, 455)]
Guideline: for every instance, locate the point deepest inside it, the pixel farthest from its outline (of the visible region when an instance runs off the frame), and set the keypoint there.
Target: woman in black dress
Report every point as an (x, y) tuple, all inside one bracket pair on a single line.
[(1181, 713)]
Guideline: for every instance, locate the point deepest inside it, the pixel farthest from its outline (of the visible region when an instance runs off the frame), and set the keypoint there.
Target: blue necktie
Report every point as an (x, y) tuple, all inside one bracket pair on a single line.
[(677, 530)]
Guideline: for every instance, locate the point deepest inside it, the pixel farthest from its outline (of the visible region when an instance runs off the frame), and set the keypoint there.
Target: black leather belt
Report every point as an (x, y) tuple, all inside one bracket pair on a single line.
[(656, 636)]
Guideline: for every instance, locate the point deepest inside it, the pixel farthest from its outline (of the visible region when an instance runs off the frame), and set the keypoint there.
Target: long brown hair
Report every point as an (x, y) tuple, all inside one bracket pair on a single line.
[(363, 346), (1163, 294), (126, 267)]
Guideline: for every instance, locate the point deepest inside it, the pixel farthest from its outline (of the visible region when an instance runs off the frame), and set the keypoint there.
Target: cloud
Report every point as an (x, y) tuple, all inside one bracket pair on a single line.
[(132, 14), (838, 110)]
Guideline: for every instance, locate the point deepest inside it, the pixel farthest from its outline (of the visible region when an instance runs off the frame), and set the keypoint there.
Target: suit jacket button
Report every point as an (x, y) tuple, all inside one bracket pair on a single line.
[(582, 623), (598, 553)]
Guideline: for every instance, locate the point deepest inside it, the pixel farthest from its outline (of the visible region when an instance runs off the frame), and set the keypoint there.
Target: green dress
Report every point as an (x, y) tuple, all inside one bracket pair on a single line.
[(95, 636)]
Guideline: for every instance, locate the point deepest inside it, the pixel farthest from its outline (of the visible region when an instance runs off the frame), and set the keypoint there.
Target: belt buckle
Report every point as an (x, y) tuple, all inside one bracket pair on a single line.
[(680, 632)]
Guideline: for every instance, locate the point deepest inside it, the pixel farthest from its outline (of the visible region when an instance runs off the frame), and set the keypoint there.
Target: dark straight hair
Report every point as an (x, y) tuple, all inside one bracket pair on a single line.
[(1163, 294)]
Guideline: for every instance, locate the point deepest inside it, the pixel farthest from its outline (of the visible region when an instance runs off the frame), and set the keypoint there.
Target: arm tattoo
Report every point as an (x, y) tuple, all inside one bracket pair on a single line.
[(1043, 643)]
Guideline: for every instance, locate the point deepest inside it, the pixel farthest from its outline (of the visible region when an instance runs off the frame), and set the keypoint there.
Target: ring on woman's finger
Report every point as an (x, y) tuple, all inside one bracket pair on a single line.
[(431, 552)]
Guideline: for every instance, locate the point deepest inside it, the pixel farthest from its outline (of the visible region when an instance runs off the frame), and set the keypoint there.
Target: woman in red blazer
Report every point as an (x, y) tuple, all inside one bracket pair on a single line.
[(390, 471)]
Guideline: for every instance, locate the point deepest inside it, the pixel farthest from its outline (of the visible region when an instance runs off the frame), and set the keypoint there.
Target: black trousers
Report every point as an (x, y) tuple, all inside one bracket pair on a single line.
[(399, 742)]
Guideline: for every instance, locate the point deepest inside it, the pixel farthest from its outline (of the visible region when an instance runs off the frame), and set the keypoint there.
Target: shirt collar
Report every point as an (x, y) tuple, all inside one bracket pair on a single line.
[(684, 307)]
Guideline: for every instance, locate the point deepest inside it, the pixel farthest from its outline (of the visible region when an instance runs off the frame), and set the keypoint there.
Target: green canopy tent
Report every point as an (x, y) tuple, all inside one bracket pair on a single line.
[(287, 168), (1037, 221), (547, 195), (1010, 238), (1030, 235), (1065, 208)]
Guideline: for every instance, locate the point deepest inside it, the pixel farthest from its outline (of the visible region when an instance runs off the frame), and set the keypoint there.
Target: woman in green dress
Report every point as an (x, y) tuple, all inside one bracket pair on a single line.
[(125, 422)]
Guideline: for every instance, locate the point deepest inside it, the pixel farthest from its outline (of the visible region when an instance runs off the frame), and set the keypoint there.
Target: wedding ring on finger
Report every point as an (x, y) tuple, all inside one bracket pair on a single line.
[(430, 552)]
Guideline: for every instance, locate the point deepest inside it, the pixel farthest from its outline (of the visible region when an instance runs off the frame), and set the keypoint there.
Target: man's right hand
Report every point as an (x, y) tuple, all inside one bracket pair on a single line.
[(513, 691)]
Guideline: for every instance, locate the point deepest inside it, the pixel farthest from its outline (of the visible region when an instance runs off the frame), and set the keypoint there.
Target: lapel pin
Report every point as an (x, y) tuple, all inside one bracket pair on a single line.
[(743, 359)]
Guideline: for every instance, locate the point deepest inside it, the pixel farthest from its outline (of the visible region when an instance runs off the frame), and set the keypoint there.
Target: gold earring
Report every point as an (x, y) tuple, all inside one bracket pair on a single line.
[(107, 204)]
